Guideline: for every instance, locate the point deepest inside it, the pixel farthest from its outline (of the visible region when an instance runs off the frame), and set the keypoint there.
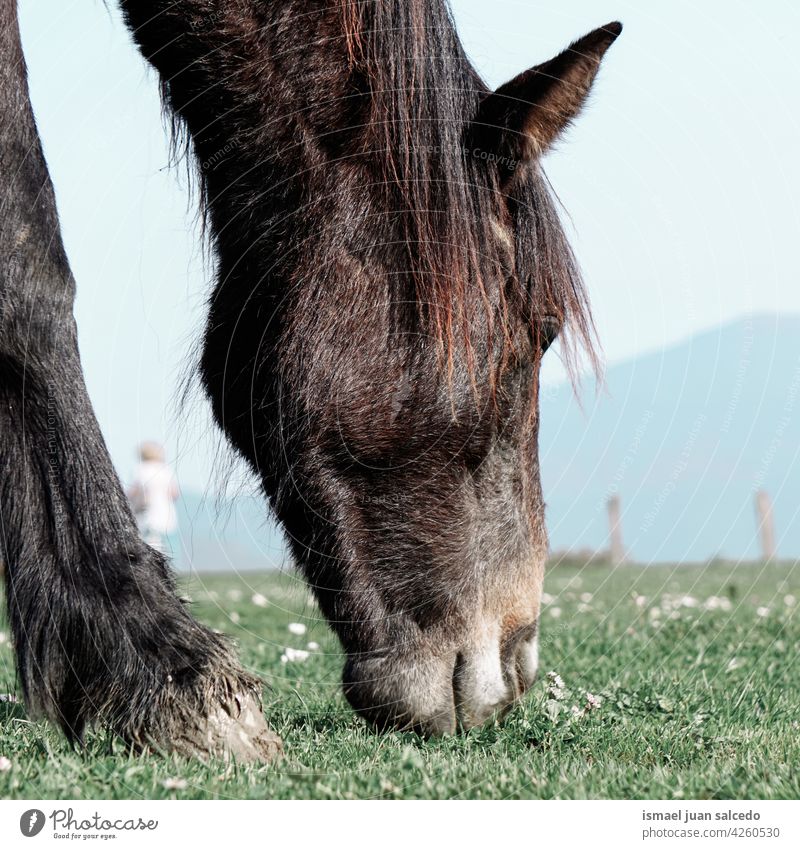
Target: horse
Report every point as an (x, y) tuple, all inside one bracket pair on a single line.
[(390, 269)]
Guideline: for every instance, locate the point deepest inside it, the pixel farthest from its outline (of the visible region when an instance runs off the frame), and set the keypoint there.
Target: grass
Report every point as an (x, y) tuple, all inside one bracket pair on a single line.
[(699, 700)]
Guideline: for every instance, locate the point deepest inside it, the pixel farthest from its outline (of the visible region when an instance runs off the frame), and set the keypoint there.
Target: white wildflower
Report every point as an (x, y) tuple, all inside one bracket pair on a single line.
[(297, 628), (3, 637), (8, 698), (234, 617), (762, 612), (689, 601), (576, 711), (586, 597), (593, 702), (555, 685), (734, 663), (174, 783), (259, 600), (388, 787), (291, 655), (555, 612), (312, 646), (547, 598), (639, 600), (789, 600), (235, 595), (5, 764)]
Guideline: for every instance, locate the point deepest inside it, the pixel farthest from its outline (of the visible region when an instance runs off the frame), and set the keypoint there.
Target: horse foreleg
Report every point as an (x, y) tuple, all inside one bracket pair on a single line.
[(99, 632)]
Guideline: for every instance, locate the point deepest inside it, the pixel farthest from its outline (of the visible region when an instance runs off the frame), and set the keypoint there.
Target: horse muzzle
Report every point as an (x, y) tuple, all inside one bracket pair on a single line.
[(433, 691)]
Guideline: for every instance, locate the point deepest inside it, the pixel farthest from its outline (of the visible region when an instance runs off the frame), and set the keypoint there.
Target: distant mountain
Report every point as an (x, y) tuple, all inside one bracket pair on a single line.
[(685, 436)]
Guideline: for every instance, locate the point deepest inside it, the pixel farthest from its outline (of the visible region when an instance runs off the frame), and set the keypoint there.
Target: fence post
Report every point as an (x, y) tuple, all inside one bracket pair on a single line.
[(616, 546), (766, 525)]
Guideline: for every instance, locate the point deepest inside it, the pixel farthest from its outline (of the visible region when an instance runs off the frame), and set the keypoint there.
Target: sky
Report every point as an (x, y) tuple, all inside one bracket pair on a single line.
[(680, 182)]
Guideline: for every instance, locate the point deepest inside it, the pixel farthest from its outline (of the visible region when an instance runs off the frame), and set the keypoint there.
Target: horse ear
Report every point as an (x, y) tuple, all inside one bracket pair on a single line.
[(523, 118)]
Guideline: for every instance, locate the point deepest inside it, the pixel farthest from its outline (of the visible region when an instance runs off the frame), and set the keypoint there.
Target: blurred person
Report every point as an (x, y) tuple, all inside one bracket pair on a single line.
[(152, 495)]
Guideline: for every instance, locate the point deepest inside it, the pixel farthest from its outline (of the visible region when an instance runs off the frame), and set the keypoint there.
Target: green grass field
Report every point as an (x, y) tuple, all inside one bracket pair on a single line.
[(696, 668)]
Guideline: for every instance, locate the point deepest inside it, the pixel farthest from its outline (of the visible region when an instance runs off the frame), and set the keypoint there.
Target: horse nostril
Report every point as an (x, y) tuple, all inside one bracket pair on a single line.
[(493, 673), (520, 656)]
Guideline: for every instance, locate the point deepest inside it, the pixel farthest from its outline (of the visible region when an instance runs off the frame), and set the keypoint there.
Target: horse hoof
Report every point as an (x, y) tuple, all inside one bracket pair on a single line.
[(232, 731)]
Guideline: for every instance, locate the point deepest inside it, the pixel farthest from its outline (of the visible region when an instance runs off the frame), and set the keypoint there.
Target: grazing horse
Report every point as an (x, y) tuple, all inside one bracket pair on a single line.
[(390, 269)]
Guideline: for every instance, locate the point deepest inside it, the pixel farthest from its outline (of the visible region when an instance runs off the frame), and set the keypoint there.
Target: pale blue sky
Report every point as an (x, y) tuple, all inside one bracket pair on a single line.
[(680, 180)]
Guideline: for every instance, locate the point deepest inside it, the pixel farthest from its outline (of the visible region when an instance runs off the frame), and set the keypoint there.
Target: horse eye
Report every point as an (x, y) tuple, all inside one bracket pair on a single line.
[(550, 327)]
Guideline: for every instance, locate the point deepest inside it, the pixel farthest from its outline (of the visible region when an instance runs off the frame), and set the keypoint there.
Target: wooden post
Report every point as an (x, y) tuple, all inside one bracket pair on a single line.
[(616, 546), (766, 525)]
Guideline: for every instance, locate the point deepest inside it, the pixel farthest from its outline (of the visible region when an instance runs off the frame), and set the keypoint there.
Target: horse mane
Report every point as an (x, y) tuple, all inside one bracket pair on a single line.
[(424, 92), (422, 88), (420, 94), (557, 289)]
